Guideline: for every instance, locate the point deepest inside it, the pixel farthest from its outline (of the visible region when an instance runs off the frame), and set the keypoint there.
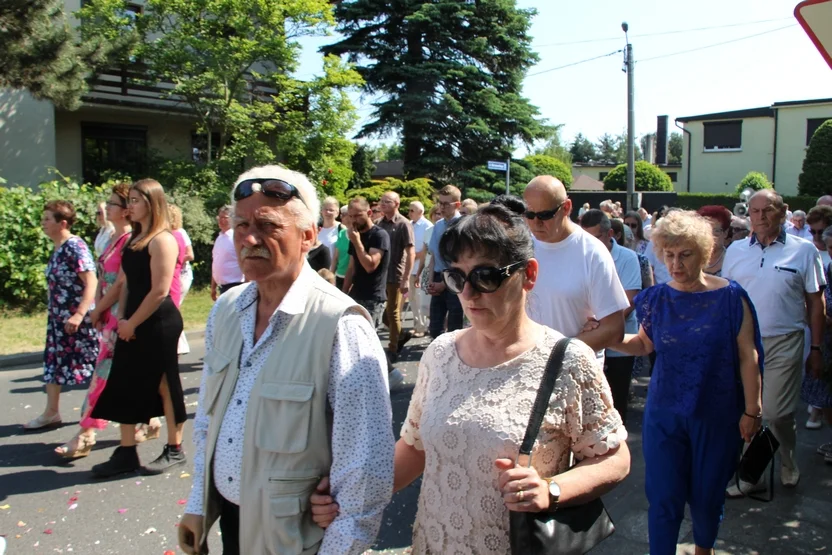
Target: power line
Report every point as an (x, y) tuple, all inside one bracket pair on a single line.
[(715, 44), (663, 33), (575, 63)]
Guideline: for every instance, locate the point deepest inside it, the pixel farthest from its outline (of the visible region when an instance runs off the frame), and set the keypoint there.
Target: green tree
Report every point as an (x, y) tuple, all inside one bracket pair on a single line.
[(816, 177), (540, 164), (648, 178), (582, 149), (40, 53), (621, 149), (362, 167), (386, 153), (755, 181), (231, 63), (448, 78), (554, 146), (420, 189), (607, 149), (674, 148), (482, 184)]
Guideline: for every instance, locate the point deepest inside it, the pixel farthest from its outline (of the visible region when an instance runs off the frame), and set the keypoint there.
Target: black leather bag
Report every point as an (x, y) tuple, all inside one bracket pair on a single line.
[(566, 531), (758, 455)]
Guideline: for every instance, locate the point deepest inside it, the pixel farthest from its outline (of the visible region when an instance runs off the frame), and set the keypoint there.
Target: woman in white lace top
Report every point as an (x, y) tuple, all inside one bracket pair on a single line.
[(474, 396)]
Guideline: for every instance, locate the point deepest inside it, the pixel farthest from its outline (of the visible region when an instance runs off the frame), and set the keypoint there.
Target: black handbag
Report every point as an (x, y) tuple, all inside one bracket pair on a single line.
[(758, 455), (569, 530)]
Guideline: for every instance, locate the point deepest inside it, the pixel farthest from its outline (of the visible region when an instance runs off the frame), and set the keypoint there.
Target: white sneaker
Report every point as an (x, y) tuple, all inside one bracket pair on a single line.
[(745, 488), (2, 545), (825, 449), (395, 378), (789, 477), (813, 424)]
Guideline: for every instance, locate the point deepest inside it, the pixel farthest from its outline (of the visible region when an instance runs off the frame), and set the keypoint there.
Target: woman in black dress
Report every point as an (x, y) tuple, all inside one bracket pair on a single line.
[(144, 379)]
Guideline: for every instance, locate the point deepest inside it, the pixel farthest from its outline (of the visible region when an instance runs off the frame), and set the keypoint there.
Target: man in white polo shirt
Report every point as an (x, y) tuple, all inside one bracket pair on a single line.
[(576, 280), (618, 367), (225, 268), (420, 224), (784, 278)]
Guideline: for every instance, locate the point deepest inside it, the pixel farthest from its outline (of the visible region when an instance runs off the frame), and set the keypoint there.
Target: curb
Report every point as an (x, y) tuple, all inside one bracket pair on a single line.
[(7, 362)]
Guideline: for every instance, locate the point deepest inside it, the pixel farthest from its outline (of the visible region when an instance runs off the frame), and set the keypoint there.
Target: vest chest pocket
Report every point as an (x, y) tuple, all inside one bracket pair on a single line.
[(217, 364), (285, 413)]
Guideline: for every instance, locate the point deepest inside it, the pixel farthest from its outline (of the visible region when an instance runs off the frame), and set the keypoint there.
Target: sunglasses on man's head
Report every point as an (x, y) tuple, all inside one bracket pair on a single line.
[(543, 215), (272, 188), (485, 279)]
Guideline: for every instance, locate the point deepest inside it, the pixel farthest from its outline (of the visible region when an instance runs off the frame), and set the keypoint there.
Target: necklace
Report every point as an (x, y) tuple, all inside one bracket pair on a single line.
[(715, 264)]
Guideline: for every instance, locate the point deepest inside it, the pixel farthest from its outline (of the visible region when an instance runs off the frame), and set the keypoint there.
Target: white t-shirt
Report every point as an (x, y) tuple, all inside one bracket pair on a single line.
[(186, 267), (224, 266), (329, 236), (576, 281), (420, 228), (777, 279)]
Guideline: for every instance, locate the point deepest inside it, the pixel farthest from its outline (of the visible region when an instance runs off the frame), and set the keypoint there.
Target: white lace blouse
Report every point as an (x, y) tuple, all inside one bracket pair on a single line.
[(465, 418)]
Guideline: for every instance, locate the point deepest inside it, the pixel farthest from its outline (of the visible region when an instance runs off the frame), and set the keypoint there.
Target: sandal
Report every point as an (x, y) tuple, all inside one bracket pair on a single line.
[(43, 421), (77, 447), (148, 431)]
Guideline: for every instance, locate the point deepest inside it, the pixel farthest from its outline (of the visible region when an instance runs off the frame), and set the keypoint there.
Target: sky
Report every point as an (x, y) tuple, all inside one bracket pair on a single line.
[(780, 64)]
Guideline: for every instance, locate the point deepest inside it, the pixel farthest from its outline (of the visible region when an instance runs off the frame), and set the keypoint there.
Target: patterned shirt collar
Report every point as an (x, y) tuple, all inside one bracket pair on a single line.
[(781, 238), (295, 300)]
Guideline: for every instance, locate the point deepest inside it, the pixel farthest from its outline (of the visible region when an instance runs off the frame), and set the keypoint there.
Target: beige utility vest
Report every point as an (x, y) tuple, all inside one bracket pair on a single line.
[(286, 443)]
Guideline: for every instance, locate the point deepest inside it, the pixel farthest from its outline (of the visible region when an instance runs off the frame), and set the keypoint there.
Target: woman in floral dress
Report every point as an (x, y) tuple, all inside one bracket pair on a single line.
[(104, 318), (71, 340)]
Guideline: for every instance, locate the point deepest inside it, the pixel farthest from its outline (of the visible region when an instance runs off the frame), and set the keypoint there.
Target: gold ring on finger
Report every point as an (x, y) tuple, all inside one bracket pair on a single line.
[(520, 495)]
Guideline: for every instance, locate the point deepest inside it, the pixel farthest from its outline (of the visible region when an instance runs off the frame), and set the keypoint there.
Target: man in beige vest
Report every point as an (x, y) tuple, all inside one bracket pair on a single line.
[(294, 389)]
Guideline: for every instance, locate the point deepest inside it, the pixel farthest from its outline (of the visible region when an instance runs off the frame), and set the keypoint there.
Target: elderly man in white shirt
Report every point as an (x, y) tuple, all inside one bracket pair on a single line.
[(784, 277), (277, 412), (418, 306), (797, 226), (225, 269)]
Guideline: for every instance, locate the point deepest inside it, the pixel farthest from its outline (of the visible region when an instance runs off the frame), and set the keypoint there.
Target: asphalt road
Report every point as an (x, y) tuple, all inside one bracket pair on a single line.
[(48, 505)]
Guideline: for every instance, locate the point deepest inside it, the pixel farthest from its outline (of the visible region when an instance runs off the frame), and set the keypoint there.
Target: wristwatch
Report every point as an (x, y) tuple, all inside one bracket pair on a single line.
[(554, 494), (814, 348)]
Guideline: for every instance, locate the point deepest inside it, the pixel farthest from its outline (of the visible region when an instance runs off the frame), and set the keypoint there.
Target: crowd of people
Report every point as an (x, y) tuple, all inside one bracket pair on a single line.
[(294, 451)]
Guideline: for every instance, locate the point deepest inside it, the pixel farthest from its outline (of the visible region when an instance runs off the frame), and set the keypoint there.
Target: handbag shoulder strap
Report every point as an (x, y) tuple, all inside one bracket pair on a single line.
[(544, 393)]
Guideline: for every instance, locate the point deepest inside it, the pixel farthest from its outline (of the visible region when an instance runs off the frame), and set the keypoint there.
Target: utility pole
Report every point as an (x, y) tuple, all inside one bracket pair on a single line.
[(508, 175), (631, 123)]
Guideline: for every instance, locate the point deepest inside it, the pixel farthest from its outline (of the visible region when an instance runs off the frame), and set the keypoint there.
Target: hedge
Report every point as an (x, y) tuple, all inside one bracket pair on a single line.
[(693, 201)]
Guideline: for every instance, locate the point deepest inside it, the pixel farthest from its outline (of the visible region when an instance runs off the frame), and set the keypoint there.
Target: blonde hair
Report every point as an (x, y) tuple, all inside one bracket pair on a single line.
[(175, 216), (684, 227), (152, 192)]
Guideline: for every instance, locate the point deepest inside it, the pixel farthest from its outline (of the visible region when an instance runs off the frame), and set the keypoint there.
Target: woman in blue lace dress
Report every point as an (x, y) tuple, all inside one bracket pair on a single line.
[(707, 375)]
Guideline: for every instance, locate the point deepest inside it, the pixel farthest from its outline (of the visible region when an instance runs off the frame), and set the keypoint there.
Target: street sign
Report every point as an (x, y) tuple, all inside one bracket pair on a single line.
[(815, 16), (497, 166)]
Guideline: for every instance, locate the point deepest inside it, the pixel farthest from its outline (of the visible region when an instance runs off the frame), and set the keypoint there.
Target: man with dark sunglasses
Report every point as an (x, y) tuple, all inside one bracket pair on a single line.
[(443, 302), (577, 280)]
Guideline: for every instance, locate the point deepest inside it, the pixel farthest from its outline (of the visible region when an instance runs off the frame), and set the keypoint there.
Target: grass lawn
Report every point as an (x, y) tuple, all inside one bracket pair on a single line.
[(24, 333)]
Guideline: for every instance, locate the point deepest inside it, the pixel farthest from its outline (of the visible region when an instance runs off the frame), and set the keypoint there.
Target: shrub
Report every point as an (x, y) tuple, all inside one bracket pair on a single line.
[(754, 180), (25, 249), (549, 165), (694, 201), (420, 189), (816, 177), (648, 178)]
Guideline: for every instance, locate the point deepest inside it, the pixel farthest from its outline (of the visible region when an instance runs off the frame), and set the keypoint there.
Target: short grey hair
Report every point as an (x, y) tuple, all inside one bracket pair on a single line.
[(225, 209), (306, 211), (799, 214)]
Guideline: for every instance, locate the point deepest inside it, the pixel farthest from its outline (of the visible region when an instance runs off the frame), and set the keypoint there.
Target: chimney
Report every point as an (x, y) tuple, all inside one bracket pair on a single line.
[(661, 141), (651, 150)]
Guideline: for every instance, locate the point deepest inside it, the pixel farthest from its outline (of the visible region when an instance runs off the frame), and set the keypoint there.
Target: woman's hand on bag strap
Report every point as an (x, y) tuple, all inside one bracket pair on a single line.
[(522, 487)]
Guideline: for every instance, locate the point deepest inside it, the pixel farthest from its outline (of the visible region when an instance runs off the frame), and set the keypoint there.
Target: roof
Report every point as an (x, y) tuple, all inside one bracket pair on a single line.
[(765, 112), (586, 183), (391, 168), (802, 102)]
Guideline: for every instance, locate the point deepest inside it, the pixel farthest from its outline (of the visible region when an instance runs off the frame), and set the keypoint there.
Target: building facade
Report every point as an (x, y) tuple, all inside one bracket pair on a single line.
[(721, 148)]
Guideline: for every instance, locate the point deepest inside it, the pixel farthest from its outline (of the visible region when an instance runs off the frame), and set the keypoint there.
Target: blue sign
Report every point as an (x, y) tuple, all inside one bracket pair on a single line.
[(497, 166)]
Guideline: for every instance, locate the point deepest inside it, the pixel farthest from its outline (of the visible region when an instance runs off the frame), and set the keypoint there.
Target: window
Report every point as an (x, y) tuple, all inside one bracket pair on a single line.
[(108, 149), (603, 175), (199, 146), (812, 125), (673, 176), (723, 135)]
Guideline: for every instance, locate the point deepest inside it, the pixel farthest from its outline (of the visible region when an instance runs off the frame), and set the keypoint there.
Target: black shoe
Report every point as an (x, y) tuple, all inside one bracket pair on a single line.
[(124, 460), (403, 339), (169, 458)]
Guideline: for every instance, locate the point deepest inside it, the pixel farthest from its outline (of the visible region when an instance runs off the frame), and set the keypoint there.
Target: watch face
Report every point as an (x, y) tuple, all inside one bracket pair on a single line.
[(554, 490)]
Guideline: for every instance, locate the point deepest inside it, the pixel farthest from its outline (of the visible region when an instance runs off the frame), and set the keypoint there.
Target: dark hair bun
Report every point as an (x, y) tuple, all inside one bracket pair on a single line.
[(512, 203)]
